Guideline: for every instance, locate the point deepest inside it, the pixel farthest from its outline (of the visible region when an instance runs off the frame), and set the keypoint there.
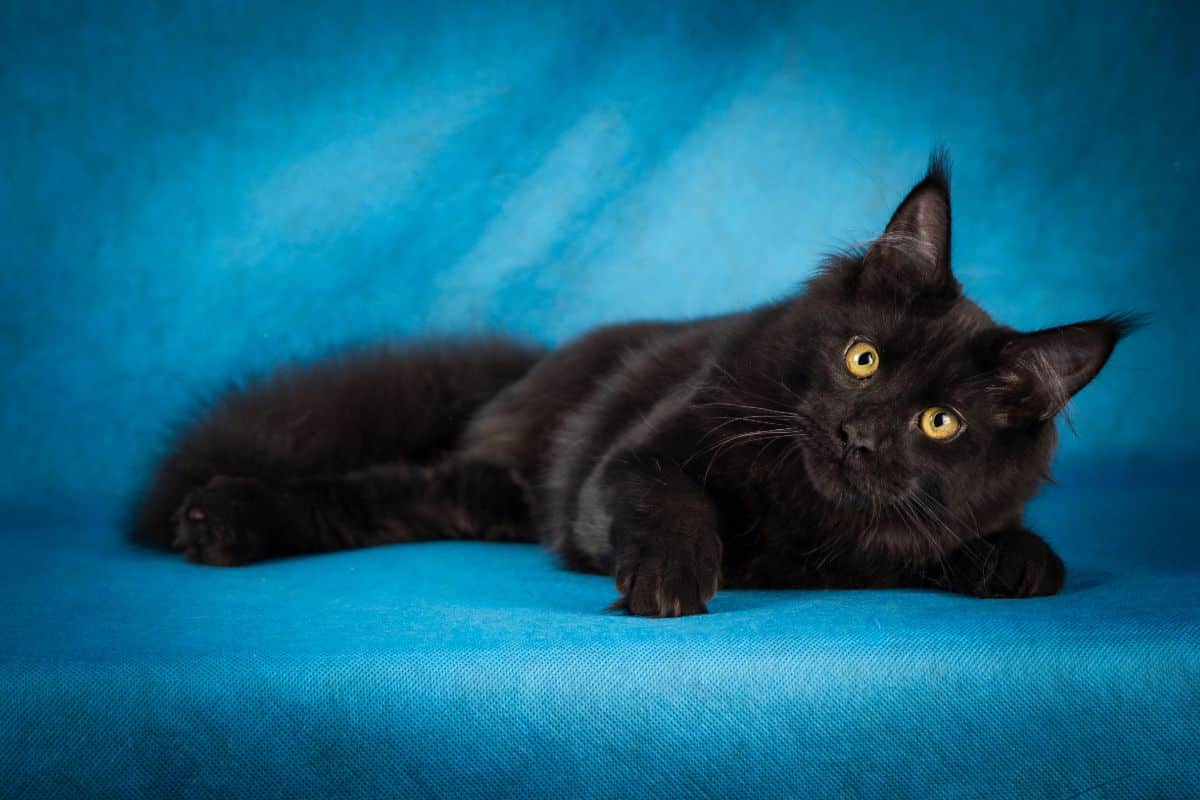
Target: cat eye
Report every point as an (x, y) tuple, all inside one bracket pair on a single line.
[(862, 359), (940, 423)]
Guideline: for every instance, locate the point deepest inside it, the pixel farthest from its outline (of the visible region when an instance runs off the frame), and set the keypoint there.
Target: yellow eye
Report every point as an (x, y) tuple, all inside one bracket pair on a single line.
[(862, 359), (940, 423)]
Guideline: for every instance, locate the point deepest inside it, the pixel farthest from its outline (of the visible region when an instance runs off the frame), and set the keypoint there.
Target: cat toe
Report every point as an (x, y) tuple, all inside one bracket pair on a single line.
[(221, 524), (651, 589), (1022, 565)]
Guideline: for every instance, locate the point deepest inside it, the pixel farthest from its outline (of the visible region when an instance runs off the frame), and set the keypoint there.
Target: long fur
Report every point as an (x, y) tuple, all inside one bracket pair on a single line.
[(365, 407)]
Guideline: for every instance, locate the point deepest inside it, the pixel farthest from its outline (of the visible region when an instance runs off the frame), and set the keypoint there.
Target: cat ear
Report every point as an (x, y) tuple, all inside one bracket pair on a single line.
[(1039, 372), (913, 254)]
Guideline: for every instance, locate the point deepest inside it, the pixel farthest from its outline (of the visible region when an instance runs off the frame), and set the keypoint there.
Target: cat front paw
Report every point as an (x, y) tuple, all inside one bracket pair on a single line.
[(1016, 563), (667, 580), (225, 523)]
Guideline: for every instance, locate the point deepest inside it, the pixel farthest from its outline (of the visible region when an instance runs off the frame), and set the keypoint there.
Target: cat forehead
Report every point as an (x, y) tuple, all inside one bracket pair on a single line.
[(918, 329), (921, 352)]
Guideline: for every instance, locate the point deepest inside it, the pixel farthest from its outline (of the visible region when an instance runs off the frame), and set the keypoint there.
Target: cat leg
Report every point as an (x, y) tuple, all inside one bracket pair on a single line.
[(1014, 562), (233, 521), (667, 552)]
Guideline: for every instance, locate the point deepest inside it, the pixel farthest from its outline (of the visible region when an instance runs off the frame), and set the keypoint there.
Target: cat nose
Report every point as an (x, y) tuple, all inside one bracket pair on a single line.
[(857, 437)]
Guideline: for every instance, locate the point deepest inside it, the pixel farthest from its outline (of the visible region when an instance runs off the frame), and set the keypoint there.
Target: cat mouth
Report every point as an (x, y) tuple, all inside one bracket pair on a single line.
[(846, 476), (861, 480)]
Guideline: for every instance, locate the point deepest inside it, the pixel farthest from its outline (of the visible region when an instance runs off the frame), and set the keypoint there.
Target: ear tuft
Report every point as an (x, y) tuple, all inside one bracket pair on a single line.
[(1038, 373), (913, 254), (1126, 322), (938, 171)]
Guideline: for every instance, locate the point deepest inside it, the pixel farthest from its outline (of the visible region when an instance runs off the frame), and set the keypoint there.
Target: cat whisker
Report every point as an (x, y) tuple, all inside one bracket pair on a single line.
[(722, 446), (936, 551)]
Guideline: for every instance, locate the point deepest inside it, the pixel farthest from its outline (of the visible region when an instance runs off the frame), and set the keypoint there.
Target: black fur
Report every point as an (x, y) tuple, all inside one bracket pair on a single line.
[(679, 457)]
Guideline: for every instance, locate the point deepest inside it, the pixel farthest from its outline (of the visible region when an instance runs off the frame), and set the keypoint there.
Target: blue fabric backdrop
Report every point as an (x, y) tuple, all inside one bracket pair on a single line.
[(195, 190), (191, 191)]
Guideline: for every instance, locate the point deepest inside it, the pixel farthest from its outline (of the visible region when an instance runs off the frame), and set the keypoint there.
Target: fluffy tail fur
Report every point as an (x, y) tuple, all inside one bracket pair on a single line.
[(381, 406)]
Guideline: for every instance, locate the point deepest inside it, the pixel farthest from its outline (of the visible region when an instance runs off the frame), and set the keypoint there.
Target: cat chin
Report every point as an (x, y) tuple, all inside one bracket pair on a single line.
[(845, 485)]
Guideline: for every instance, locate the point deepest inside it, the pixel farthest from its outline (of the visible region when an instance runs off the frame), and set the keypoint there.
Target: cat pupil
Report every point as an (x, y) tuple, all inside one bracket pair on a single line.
[(939, 420), (864, 359)]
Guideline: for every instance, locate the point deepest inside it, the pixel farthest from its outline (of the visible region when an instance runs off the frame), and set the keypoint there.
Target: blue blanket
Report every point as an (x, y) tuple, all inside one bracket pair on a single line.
[(475, 670)]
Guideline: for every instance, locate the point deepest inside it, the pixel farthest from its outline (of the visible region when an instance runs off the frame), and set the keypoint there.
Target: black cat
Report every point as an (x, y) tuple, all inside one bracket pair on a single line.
[(877, 430)]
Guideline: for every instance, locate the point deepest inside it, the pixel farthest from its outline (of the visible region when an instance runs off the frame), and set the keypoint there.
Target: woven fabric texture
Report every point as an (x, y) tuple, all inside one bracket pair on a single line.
[(473, 670)]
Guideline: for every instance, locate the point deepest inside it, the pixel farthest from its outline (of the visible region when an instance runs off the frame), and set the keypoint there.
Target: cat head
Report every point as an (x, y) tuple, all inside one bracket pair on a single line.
[(909, 393)]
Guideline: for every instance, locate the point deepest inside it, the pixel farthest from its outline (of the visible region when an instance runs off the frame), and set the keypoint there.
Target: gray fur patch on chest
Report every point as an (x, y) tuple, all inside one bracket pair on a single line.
[(591, 531), (593, 526), (567, 447)]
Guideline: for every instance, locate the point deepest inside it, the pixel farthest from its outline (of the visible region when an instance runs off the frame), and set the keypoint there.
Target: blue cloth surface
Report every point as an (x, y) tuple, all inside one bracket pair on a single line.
[(476, 670)]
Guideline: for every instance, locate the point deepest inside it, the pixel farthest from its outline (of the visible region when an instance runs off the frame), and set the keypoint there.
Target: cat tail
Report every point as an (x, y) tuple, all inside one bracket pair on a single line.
[(386, 404)]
